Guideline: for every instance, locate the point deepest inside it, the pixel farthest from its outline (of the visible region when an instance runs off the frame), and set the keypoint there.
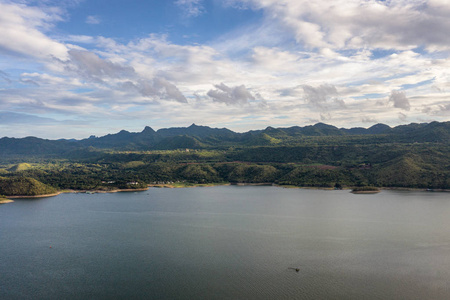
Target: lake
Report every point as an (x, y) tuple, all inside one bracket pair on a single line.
[(227, 242)]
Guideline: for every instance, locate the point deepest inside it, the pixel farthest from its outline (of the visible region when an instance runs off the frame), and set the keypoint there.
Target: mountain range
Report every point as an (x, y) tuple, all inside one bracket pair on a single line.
[(204, 137)]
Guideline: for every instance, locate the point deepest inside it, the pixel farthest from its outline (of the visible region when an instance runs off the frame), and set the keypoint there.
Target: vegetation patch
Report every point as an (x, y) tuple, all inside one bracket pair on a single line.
[(365, 190), (24, 186), (20, 167)]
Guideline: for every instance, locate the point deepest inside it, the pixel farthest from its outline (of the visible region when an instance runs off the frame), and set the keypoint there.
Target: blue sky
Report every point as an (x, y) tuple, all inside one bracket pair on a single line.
[(69, 69)]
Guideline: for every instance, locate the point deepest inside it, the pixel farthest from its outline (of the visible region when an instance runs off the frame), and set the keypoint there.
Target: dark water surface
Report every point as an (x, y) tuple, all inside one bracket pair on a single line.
[(227, 242)]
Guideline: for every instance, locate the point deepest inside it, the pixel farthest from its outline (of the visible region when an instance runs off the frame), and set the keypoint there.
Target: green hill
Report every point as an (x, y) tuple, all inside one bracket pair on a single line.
[(20, 167), (405, 171), (179, 142), (23, 186)]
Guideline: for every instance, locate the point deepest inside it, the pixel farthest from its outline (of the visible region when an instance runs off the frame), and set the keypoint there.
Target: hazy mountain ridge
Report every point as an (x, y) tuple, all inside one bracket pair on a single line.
[(204, 137)]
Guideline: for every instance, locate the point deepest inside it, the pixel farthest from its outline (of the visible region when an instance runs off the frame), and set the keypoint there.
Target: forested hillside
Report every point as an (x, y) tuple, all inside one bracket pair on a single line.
[(23, 186), (411, 156), (203, 137)]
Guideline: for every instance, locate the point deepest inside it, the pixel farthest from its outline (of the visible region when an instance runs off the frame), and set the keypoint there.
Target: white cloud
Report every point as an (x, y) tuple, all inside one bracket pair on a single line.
[(318, 96), (343, 24), (399, 99), (285, 58), (239, 95), (90, 65), (158, 88), (93, 20), (191, 8), (275, 60), (21, 31)]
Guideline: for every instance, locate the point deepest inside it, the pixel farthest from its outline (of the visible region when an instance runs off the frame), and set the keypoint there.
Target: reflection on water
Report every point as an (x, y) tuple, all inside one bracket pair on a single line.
[(229, 242)]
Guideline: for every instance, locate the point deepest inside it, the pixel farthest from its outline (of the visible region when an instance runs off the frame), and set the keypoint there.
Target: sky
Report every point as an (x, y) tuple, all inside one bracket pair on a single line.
[(75, 68)]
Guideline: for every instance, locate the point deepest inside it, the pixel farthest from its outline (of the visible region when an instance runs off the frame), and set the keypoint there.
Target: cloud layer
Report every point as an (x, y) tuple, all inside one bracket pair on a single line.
[(300, 62)]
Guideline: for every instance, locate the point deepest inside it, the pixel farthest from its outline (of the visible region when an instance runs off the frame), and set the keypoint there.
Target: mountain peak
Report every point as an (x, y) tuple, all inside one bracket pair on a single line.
[(379, 128), (148, 130), (323, 125)]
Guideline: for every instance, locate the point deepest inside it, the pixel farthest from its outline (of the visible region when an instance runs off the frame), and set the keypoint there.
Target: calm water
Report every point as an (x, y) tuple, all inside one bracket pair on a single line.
[(227, 242)]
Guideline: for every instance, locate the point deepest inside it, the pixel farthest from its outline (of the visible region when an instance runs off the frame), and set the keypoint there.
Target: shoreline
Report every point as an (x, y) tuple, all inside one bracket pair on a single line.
[(185, 185), (4, 201), (34, 196), (103, 191), (380, 189), (365, 192), (72, 192), (253, 184), (193, 185)]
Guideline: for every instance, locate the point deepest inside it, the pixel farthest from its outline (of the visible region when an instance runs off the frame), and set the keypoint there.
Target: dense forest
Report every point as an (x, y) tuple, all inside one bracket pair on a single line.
[(23, 186), (410, 156)]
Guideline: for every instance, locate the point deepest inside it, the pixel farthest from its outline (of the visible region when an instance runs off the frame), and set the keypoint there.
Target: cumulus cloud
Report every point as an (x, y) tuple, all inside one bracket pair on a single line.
[(158, 87), (318, 96), (340, 103), (237, 95), (442, 109), (338, 24), (167, 90), (23, 34), (22, 31), (292, 42), (399, 99)]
